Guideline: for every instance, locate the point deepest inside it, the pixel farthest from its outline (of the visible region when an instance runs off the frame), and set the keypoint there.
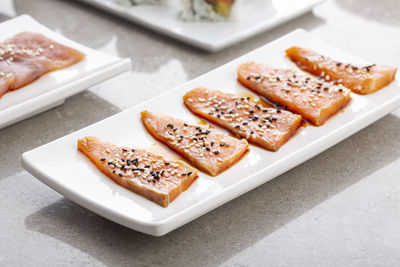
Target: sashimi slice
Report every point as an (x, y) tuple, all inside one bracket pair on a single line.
[(149, 175), (209, 150), (267, 127)]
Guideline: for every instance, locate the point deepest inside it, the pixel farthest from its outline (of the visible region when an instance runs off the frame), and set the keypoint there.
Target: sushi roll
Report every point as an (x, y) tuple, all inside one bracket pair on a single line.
[(211, 10)]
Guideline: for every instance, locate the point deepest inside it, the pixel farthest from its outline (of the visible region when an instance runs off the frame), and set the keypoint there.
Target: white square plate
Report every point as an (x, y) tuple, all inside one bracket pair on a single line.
[(52, 88), (60, 166), (256, 16)]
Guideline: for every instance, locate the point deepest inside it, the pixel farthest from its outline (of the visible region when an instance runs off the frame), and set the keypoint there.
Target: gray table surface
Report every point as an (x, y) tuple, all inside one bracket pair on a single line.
[(340, 208)]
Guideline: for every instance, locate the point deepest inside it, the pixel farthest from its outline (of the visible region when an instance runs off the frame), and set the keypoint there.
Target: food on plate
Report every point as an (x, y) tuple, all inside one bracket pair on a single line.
[(211, 10), (315, 99), (209, 150), (27, 56), (267, 127), (361, 79), (142, 172)]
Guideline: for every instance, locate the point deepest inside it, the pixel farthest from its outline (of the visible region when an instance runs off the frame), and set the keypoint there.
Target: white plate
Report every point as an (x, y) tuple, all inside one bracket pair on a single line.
[(60, 166), (51, 89), (256, 16)]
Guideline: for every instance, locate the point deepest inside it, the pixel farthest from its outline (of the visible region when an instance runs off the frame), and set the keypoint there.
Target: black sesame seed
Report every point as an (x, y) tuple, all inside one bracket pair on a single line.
[(120, 175), (218, 115), (166, 163), (147, 166), (216, 152), (189, 173), (340, 90), (252, 132), (339, 64), (326, 88), (185, 124), (248, 77), (102, 159), (278, 111), (208, 149), (237, 126), (114, 171), (245, 123), (133, 150), (212, 143), (170, 125)]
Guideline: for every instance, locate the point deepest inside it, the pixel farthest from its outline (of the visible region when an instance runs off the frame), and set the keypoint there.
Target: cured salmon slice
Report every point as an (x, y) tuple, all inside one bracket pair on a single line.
[(209, 150), (142, 172), (363, 80), (315, 99), (27, 56), (267, 127)]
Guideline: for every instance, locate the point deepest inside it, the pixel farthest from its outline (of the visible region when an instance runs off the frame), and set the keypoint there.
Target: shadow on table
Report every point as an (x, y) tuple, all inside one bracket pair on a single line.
[(77, 112), (237, 225), (382, 11)]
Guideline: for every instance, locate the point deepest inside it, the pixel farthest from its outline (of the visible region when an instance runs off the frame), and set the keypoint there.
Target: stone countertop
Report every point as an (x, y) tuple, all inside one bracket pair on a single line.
[(340, 208)]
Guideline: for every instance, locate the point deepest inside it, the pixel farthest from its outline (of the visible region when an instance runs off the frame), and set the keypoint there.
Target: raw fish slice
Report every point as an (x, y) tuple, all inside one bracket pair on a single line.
[(142, 172)]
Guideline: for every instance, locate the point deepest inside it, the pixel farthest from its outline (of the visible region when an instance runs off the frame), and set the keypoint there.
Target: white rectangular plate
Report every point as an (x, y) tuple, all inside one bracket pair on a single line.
[(256, 16), (59, 164), (52, 88)]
